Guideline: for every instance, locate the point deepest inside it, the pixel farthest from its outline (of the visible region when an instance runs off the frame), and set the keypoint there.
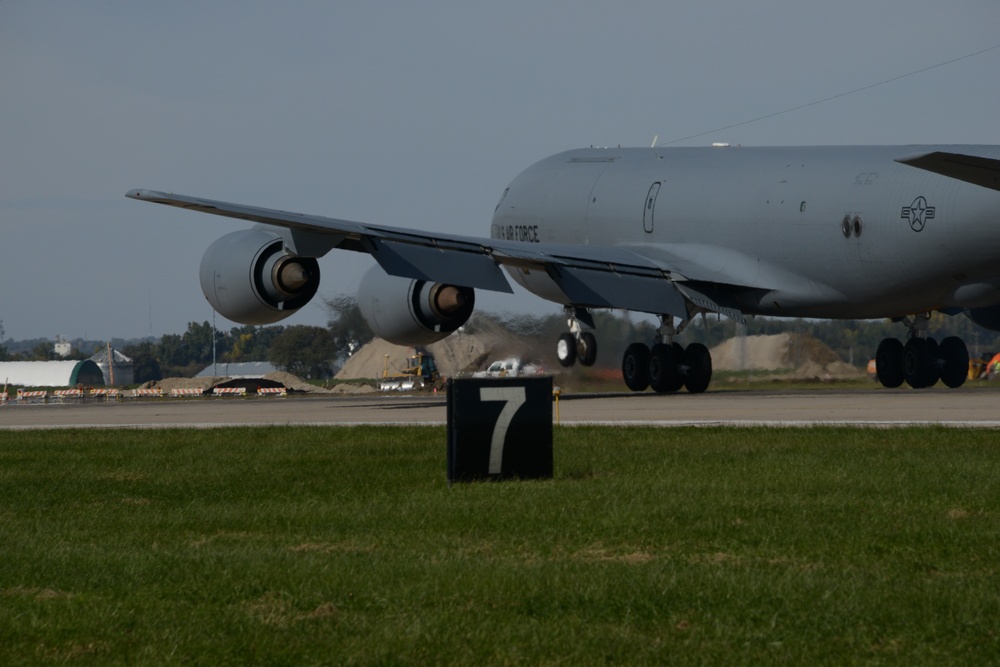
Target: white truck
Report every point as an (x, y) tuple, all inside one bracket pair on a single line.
[(509, 367)]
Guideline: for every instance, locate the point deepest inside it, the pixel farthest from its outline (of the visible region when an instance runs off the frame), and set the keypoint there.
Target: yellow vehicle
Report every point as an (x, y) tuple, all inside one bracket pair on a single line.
[(420, 373)]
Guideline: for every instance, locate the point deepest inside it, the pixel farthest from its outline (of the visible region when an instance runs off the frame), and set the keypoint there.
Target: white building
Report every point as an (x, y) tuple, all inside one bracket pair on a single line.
[(51, 373)]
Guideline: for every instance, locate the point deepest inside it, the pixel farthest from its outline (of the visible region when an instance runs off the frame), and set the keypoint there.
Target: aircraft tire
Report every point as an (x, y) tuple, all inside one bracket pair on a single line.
[(889, 363), (955, 355), (566, 350), (664, 374), (682, 369), (635, 367), (699, 362), (917, 361), (933, 371), (587, 349)]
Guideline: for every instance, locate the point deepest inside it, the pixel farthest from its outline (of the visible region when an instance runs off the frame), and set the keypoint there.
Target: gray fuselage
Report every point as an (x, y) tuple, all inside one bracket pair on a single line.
[(839, 232)]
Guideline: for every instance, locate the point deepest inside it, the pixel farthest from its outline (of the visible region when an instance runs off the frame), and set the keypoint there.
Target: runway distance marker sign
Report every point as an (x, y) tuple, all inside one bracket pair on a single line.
[(499, 428)]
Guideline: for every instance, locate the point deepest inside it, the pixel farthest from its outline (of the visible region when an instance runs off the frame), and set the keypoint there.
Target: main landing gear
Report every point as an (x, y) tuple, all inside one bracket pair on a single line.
[(922, 361), (667, 366)]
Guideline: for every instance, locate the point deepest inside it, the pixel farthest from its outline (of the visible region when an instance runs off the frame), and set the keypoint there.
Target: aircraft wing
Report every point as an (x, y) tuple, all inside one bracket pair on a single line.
[(589, 276), (981, 171)]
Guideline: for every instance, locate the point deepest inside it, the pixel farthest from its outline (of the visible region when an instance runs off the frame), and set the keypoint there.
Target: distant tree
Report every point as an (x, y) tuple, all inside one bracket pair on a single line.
[(43, 351), (250, 343), (304, 351), (171, 350), (347, 326), (4, 354), (197, 343), (145, 366)]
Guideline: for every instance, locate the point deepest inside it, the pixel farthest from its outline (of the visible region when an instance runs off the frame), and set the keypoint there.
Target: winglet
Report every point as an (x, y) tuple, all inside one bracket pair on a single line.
[(981, 171)]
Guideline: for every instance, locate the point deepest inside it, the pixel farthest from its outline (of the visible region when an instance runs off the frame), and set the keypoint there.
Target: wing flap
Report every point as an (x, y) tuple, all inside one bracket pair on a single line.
[(981, 171), (606, 289), (448, 265)]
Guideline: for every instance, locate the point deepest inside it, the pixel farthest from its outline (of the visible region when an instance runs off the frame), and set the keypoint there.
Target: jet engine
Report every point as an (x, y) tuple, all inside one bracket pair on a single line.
[(250, 277), (405, 311)]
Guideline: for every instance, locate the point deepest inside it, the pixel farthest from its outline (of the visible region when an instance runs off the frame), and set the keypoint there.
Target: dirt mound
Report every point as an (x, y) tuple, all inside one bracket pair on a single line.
[(293, 382), (278, 378), (456, 354), (805, 355), (169, 384)]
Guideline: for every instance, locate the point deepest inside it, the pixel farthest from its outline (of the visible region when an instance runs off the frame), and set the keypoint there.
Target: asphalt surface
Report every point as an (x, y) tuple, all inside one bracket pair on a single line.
[(867, 407)]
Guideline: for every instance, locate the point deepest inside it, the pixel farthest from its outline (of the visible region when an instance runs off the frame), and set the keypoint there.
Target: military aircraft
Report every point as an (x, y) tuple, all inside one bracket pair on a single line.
[(850, 232)]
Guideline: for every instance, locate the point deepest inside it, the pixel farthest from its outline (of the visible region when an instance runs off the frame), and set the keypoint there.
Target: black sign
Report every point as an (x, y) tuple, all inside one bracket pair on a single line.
[(499, 428)]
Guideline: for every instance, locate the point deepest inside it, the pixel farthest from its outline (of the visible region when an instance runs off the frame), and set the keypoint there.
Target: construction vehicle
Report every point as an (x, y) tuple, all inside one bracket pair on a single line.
[(420, 373)]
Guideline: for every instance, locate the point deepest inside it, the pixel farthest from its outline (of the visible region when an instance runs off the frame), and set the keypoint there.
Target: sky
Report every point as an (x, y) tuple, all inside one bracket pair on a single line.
[(415, 114)]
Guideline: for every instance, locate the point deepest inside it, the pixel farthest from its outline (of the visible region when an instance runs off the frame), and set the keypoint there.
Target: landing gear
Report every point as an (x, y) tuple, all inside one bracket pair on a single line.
[(664, 369), (566, 350), (667, 367), (577, 344), (889, 363), (955, 355), (921, 362), (699, 371), (635, 367)]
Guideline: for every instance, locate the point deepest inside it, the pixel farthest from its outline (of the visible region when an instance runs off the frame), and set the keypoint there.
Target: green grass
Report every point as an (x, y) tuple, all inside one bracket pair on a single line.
[(346, 546)]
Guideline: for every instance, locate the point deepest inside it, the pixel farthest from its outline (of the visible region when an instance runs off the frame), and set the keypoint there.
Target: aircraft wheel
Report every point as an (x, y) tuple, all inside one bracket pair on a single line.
[(699, 362), (955, 356), (664, 374), (566, 350), (587, 349), (889, 363), (933, 371), (635, 367), (917, 361)]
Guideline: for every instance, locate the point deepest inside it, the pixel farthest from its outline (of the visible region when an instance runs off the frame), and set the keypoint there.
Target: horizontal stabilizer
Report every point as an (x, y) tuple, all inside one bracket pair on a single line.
[(981, 171)]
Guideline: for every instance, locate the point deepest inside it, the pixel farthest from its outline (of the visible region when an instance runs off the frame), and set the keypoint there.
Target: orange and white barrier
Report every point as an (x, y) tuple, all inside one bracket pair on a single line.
[(106, 394), (145, 393), (22, 395), (176, 393), (230, 391), (272, 391), (64, 394)]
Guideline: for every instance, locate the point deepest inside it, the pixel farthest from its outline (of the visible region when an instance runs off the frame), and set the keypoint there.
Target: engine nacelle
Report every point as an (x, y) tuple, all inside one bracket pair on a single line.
[(249, 277), (405, 311)]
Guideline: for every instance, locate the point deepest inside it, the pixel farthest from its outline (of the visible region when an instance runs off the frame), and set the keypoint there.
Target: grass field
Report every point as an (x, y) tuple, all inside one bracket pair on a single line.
[(292, 546)]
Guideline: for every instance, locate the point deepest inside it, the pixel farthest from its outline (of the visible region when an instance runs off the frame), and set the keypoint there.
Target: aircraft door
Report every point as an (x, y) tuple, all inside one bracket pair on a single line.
[(650, 208)]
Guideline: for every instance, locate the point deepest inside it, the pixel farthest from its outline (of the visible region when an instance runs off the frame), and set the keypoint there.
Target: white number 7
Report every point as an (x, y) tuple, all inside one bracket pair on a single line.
[(513, 398)]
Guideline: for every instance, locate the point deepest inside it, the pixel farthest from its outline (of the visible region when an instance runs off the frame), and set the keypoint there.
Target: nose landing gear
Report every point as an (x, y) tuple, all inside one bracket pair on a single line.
[(577, 344)]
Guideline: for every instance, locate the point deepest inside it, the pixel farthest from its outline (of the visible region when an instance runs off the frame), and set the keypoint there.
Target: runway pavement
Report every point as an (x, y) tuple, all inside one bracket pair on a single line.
[(978, 407)]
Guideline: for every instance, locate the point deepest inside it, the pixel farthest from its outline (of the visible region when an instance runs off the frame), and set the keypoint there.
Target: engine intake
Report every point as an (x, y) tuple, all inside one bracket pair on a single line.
[(405, 311), (251, 278)]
